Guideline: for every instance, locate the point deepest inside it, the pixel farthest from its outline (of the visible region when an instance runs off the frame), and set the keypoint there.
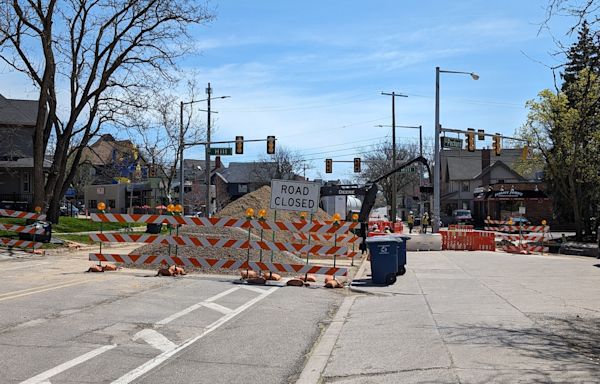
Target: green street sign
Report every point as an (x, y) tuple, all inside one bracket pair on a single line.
[(220, 151), (451, 142)]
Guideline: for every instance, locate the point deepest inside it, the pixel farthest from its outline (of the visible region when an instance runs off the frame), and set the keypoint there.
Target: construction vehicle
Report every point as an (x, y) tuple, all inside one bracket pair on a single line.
[(371, 194)]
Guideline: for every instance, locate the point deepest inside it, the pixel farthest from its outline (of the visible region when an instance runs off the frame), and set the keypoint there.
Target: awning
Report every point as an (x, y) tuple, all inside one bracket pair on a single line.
[(511, 195)]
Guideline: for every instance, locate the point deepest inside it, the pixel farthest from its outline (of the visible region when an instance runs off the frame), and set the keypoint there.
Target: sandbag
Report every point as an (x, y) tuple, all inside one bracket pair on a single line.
[(334, 284), (95, 268), (109, 267), (271, 276), (308, 278), (248, 274)]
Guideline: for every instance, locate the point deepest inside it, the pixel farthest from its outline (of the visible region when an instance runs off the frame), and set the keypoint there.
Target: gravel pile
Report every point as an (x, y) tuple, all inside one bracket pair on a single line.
[(257, 200)]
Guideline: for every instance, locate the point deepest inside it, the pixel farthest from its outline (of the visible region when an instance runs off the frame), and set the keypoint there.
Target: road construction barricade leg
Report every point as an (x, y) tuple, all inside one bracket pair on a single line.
[(300, 229)]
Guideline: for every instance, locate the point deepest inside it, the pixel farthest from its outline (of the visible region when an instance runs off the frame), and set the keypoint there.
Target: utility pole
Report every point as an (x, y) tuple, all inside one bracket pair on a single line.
[(394, 186), (207, 156), (181, 144)]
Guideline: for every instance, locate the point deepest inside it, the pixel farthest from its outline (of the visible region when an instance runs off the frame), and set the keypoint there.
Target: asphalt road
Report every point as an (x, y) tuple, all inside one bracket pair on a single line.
[(60, 325)]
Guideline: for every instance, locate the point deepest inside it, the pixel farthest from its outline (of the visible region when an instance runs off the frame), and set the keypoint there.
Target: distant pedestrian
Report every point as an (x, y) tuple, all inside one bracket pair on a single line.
[(424, 223), (410, 221)]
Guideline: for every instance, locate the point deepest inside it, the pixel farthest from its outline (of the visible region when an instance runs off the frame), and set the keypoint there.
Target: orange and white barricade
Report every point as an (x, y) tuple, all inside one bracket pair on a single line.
[(313, 229), (526, 234), (27, 229)]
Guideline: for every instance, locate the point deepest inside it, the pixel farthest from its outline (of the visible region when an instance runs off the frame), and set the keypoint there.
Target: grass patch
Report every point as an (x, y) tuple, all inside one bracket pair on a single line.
[(82, 239), (72, 224)]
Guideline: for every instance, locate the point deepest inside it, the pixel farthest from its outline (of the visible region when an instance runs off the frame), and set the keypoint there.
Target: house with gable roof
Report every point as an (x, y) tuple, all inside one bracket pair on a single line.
[(17, 125)]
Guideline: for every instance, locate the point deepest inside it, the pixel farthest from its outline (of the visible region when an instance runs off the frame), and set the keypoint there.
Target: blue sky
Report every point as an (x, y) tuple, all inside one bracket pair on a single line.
[(312, 72)]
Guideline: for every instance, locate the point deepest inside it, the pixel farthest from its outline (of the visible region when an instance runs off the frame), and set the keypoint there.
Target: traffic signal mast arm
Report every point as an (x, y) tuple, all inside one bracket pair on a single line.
[(222, 142), (466, 132)]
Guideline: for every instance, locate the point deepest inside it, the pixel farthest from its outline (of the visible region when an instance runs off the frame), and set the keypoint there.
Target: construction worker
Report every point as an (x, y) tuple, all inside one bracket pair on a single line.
[(410, 221), (424, 222)]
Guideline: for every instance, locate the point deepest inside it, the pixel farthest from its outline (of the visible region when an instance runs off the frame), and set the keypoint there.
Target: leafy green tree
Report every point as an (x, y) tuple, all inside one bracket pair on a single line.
[(566, 138)]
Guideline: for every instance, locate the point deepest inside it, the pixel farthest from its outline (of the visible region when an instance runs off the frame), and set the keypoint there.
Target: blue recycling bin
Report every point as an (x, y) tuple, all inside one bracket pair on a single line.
[(401, 254), (384, 258)]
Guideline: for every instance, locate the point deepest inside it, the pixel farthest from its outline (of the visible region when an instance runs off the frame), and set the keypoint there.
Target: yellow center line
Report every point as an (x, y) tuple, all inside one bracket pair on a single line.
[(44, 288)]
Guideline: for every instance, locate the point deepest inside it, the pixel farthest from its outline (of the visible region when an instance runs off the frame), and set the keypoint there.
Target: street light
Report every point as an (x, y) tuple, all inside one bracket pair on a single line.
[(207, 147), (435, 225)]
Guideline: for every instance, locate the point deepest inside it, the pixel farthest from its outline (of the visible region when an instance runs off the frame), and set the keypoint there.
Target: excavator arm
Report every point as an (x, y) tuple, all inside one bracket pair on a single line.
[(371, 195)]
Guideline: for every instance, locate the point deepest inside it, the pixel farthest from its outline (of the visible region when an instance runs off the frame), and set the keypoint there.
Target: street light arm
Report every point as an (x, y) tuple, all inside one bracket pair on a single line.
[(473, 75)]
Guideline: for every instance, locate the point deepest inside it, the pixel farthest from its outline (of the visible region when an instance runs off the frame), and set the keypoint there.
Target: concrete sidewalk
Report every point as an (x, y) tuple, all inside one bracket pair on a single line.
[(473, 317)]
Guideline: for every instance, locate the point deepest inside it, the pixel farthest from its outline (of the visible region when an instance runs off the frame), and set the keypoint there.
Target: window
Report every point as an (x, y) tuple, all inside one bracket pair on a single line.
[(243, 188), (26, 182), (111, 203), (92, 204), (465, 186)]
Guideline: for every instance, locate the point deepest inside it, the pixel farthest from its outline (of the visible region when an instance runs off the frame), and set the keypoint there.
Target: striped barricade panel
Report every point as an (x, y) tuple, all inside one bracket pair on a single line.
[(298, 226), (217, 243), (537, 228), (31, 229), (19, 243), (21, 214), (495, 222), (530, 236), (525, 248), (201, 262), (342, 239)]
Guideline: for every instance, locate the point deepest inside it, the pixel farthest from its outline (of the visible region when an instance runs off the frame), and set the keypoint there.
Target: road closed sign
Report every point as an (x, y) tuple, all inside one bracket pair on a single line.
[(287, 195)]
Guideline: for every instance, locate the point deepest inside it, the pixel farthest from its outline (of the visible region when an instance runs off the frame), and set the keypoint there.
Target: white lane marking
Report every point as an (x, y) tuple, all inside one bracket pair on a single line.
[(191, 308), (224, 293), (218, 308), (155, 339), (146, 367), (33, 291), (44, 376), (23, 267), (253, 289)]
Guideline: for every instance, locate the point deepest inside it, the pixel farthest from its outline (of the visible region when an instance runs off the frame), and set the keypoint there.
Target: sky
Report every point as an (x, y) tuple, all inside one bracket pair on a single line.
[(312, 72)]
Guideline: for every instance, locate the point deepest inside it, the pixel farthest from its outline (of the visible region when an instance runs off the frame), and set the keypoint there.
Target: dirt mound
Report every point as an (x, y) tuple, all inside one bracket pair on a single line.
[(261, 199), (257, 200)]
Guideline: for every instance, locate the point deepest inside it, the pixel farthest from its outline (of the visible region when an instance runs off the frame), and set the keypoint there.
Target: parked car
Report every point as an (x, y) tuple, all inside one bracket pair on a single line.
[(69, 210), (462, 216)]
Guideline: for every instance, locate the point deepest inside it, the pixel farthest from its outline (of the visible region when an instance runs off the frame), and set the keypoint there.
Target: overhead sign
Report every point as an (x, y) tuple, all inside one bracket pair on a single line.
[(451, 142), (289, 195), (220, 151)]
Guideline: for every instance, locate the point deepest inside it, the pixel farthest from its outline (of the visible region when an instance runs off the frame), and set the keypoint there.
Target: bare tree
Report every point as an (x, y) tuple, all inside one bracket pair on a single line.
[(378, 161), (285, 163), (155, 130), (90, 60)]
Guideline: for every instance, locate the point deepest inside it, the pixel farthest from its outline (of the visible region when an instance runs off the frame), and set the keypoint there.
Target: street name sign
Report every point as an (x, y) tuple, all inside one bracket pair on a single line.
[(220, 151), (289, 195), (451, 142)]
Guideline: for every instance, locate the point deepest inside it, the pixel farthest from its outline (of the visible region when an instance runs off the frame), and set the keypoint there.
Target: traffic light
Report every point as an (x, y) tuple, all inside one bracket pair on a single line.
[(239, 145), (525, 153), (497, 145), (152, 171), (471, 140), (357, 165), (270, 145), (328, 166)]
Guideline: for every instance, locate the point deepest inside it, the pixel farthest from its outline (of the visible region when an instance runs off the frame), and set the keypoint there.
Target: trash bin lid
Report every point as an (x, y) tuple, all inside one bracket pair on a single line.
[(384, 239)]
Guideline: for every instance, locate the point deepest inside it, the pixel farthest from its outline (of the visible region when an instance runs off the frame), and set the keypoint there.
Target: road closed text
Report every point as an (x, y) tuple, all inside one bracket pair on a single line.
[(294, 196)]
